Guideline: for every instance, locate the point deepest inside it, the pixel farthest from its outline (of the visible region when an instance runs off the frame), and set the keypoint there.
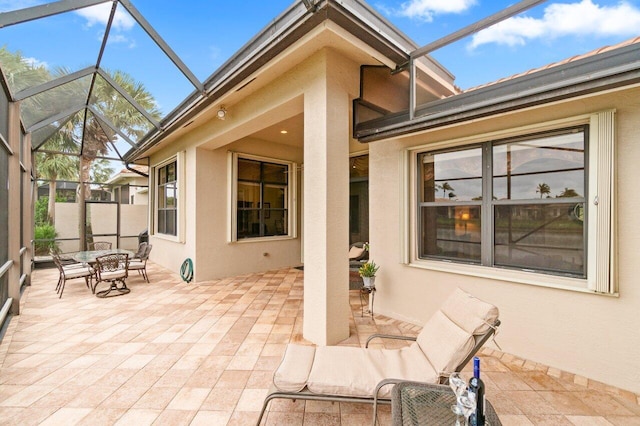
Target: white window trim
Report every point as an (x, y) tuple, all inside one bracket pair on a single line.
[(179, 159), (601, 231), (232, 198)]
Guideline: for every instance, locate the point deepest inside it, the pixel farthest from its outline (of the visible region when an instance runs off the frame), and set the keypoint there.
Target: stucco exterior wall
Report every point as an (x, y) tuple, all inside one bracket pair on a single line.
[(594, 336), (216, 257)]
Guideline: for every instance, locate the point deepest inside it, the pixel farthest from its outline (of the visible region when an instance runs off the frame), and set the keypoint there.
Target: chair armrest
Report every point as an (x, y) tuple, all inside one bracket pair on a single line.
[(388, 336)]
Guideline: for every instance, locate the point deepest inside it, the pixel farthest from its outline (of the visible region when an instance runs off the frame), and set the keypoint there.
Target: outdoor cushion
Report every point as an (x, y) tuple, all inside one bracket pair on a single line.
[(444, 343), (469, 312), (355, 252), (292, 374), (113, 275), (349, 371), (136, 264), (77, 272)]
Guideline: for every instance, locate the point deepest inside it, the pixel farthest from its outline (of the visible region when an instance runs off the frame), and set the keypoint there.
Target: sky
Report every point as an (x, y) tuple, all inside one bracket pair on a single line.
[(206, 33)]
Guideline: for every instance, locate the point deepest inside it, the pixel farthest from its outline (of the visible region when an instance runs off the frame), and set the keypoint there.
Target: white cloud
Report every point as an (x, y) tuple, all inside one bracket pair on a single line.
[(119, 38), (426, 9), (99, 14), (35, 63), (9, 5), (582, 19)]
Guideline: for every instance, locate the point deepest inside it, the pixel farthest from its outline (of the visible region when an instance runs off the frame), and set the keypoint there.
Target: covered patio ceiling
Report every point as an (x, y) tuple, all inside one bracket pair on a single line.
[(107, 113)]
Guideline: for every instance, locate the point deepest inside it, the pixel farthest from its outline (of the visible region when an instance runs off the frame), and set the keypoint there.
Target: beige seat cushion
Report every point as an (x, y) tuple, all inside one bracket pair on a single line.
[(469, 312), (355, 252), (448, 337), (136, 264), (77, 272), (113, 275), (349, 371), (292, 374), (444, 343)]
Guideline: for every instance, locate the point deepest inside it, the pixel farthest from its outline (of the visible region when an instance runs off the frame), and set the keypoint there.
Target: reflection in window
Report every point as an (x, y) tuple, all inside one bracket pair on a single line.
[(450, 206), (528, 194), (167, 194), (452, 176), (547, 167), (262, 199)]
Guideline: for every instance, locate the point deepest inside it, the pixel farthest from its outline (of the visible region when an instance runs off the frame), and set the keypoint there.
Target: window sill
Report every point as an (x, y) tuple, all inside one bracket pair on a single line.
[(513, 276), (264, 239), (166, 237)]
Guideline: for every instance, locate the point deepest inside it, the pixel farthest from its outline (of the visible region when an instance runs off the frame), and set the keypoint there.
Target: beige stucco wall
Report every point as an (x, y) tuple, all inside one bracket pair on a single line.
[(215, 256), (206, 149), (594, 336)]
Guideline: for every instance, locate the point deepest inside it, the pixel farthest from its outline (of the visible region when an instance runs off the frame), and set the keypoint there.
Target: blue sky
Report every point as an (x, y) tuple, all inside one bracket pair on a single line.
[(205, 33)]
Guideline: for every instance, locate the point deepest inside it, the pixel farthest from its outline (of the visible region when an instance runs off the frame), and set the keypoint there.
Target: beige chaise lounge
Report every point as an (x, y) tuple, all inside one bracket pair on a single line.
[(347, 374)]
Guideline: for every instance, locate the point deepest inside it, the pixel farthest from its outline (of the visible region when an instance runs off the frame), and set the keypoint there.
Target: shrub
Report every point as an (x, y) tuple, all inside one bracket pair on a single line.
[(41, 211), (44, 232)]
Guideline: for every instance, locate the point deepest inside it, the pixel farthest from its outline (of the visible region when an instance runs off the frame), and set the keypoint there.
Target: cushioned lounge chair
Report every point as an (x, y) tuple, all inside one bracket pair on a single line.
[(346, 374), (357, 252)]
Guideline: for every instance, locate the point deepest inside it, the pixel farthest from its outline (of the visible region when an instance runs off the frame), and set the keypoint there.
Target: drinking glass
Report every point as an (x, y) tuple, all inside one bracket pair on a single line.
[(467, 403), (459, 385)]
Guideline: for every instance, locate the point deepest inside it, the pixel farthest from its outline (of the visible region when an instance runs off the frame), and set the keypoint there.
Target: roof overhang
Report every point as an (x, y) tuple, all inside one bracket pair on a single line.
[(352, 16), (605, 71)]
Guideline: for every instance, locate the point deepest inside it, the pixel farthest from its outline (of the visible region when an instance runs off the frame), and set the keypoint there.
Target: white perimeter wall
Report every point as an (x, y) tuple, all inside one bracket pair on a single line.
[(133, 220)]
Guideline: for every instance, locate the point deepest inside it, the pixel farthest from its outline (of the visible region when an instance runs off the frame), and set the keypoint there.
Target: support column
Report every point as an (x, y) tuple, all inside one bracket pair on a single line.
[(326, 209), (14, 206), (27, 207)]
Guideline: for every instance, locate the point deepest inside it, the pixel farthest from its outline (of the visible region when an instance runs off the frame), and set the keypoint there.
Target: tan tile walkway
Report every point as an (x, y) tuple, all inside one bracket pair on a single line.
[(171, 353)]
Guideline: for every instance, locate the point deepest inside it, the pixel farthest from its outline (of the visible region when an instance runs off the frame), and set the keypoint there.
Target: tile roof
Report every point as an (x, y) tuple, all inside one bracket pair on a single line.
[(603, 49)]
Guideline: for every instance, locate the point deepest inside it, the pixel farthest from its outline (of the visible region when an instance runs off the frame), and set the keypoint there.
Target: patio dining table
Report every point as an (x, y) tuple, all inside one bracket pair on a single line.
[(89, 256)]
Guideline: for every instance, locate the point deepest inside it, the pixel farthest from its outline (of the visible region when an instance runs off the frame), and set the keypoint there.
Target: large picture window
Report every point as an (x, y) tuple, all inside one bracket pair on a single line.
[(167, 198), (517, 203), (262, 198)]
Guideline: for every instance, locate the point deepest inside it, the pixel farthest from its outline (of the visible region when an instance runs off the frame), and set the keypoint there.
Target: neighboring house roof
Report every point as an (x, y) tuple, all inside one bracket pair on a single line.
[(127, 174)]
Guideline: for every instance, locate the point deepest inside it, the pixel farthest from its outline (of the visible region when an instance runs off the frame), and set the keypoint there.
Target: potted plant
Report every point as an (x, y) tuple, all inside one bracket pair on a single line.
[(368, 273)]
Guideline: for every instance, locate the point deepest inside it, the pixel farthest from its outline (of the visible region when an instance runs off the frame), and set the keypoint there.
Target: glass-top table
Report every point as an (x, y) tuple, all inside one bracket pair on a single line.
[(89, 256), (418, 404)]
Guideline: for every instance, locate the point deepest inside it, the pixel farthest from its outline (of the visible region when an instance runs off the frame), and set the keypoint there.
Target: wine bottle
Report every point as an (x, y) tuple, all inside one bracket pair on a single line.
[(477, 387)]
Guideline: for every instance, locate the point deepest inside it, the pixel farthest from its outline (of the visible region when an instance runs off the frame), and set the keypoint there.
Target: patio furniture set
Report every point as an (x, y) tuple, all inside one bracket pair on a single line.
[(447, 342), (103, 264)]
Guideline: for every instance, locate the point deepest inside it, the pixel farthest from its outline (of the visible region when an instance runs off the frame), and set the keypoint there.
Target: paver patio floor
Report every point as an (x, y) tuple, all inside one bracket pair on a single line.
[(171, 353)]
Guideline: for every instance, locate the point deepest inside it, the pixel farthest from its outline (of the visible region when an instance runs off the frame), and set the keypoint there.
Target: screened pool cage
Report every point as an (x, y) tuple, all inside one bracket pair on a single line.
[(65, 132), (72, 129)]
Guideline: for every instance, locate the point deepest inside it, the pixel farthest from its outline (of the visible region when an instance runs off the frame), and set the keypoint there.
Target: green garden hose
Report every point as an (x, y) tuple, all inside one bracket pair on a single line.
[(186, 270)]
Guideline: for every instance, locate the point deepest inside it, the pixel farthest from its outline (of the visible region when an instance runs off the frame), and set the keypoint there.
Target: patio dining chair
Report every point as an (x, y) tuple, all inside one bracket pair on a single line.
[(140, 264), (70, 272), (142, 247), (447, 342), (99, 245), (112, 269)]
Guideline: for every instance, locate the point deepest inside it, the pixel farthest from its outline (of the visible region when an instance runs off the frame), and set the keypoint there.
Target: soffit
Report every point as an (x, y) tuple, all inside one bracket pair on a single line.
[(325, 35)]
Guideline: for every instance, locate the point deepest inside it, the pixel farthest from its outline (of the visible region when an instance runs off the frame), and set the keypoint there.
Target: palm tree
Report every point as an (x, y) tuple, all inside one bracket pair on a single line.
[(122, 115), (53, 166), (446, 187), (21, 73), (543, 189), (568, 193)]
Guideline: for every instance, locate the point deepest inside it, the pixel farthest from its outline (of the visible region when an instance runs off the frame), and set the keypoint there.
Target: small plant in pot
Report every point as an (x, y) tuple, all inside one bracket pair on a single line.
[(368, 273)]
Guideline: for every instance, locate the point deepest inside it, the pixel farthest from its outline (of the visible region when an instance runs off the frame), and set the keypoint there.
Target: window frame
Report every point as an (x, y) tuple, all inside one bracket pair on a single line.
[(290, 198), (600, 259), (179, 160)]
